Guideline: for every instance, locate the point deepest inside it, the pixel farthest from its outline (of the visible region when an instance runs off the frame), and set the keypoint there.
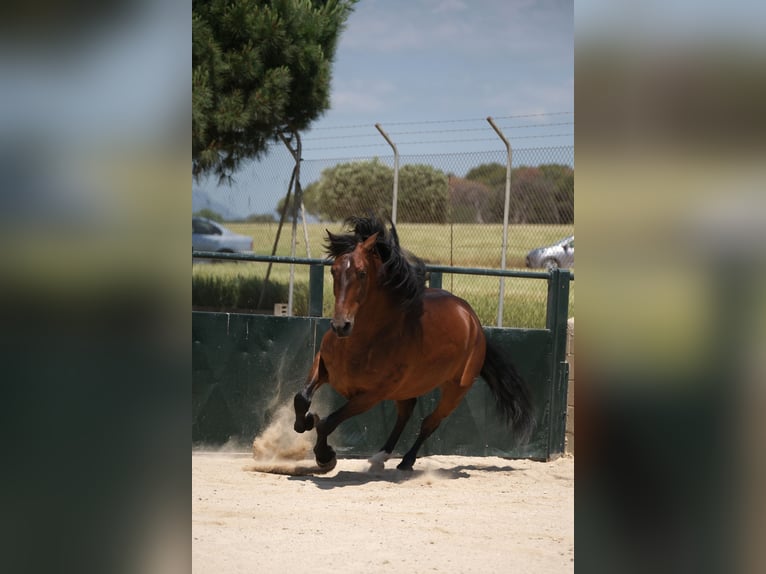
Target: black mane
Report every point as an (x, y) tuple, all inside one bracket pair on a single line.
[(403, 273)]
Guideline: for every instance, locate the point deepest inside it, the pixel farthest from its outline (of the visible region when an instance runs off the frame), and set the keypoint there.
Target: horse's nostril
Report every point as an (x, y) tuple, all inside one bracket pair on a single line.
[(342, 329)]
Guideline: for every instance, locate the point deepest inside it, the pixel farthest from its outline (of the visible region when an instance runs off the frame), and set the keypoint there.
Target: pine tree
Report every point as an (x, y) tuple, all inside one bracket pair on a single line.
[(259, 68)]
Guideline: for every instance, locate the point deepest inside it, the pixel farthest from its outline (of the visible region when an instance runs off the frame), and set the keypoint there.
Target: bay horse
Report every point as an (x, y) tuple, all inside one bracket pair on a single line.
[(391, 338)]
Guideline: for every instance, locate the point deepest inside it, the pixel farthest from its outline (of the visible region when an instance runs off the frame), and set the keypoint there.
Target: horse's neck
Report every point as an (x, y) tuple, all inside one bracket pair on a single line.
[(379, 314)]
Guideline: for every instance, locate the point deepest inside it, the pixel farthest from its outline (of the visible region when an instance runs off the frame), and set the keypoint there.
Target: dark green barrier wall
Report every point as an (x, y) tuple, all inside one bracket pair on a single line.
[(246, 366)]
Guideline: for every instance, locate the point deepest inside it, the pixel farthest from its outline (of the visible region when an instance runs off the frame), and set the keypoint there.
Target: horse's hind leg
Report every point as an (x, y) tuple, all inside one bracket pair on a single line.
[(304, 420), (452, 394), (403, 413)]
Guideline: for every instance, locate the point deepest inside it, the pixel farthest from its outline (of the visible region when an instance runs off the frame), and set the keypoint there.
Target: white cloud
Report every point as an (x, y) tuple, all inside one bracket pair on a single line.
[(533, 97), (361, 96), (357, 101), (488, 27), (448, 6)]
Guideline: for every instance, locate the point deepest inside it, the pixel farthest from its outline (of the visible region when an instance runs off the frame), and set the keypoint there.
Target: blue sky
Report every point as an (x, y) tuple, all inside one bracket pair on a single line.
[(446, 60)]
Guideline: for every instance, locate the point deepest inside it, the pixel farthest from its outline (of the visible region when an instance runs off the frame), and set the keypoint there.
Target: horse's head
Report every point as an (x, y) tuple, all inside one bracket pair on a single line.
[(353, 275)]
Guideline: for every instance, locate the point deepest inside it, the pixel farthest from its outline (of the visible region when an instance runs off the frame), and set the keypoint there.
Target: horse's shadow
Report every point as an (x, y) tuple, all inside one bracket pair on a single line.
[(346, 478)]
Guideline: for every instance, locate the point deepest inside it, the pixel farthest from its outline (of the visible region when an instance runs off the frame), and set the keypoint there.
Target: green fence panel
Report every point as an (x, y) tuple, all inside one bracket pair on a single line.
[(246, 366), (242, 366)]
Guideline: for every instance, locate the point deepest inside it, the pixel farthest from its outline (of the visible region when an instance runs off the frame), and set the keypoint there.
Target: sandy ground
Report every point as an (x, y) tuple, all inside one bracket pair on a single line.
[(451, 514)]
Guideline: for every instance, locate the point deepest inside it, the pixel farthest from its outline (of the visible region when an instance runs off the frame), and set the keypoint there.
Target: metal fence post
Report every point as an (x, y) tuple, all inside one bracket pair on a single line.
[(556, 321), (395, 200), (316, 290), (296, 153), (506, 209)]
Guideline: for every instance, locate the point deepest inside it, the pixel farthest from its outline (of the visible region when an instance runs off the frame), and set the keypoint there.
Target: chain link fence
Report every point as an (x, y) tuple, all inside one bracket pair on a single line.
[(449, 212)]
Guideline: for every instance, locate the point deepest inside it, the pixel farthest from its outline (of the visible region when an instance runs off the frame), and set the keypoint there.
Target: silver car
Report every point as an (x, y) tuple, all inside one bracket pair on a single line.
[(560, 254), (208, 235)]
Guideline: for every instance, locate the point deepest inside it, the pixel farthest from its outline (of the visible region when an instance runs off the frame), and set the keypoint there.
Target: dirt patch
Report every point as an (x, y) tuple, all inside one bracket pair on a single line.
[(451, 514)]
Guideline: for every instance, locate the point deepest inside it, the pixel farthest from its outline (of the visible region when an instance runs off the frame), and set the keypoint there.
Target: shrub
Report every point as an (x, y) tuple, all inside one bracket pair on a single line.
[(243, 292)]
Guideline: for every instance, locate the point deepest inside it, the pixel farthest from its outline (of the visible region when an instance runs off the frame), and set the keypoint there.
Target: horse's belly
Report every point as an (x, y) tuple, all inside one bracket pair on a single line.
[(391, 376), (349, 379)]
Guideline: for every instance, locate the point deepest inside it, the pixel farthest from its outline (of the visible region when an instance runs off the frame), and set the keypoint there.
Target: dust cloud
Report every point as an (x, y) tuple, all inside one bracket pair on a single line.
[(279, 441), (281, 450)]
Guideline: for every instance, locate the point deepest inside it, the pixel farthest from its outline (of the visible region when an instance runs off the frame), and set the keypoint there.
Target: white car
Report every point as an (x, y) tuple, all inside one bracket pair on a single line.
[(560, 254), (208, 235)]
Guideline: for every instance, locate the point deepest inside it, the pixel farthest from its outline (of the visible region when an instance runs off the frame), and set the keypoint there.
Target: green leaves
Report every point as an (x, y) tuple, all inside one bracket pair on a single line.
[(423, 194), (542, 194), (258, 68), (362, 187)]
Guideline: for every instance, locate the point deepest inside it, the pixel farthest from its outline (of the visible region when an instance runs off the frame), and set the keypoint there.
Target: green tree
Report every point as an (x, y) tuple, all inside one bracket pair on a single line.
[(259, 68), (260, 218), (309, 201), (490, 174), (542, 194), (562, 180), (354, 188), (530, 197), (423, 195), (362, 187), (210, 214), (470, 201)]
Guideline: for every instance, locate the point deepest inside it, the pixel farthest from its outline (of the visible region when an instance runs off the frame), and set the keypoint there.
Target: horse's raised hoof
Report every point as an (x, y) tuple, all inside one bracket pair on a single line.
[(306, 423), (404, 465), (303, 419)]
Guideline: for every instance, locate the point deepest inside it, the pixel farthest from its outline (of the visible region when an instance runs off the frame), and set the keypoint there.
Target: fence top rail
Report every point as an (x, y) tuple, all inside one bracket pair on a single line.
[(254, 257)]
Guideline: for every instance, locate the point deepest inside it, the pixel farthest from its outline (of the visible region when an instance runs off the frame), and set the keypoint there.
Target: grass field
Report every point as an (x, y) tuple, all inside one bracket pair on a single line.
[(468, 245), (460, 245)]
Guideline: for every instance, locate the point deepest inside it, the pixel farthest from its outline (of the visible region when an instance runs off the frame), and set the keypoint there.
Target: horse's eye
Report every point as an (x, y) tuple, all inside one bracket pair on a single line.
[(362, 274)]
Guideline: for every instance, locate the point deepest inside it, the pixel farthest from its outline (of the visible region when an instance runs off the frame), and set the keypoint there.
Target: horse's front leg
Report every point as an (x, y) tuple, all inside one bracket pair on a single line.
[(304, 420), (324, 453)]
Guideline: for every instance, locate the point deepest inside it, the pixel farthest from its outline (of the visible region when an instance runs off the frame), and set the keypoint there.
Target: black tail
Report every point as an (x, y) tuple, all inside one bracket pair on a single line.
[(514, 399)]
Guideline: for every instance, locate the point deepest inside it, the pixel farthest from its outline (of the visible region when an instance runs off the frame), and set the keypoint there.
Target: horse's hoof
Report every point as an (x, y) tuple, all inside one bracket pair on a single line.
[(329, 465), (378, 461), (324, 454), (376, 466), (303, 419), (406, 466)]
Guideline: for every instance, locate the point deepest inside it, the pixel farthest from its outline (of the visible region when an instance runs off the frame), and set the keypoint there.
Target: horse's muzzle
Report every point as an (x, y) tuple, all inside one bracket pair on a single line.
[(342, 328)]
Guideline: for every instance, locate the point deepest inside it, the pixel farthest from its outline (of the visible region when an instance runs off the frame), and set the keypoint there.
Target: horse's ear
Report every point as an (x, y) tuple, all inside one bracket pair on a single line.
[(333, 241), (369, 243)]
